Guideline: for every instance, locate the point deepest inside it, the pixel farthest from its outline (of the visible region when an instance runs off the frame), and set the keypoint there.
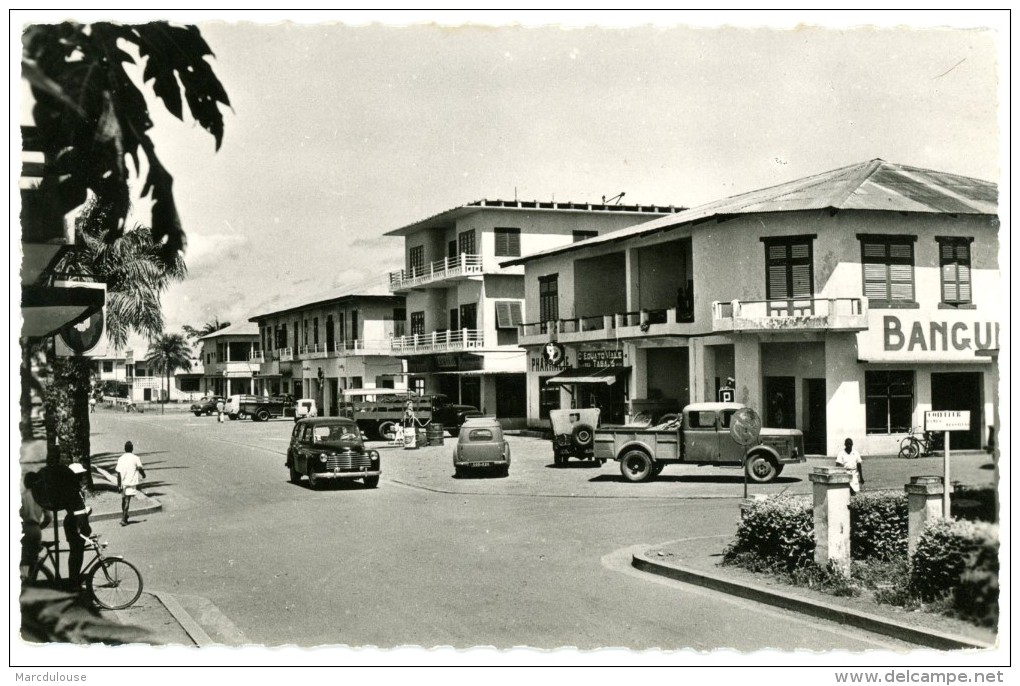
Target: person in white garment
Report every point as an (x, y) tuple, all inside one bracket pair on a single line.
[(851, 460), (129, 475)]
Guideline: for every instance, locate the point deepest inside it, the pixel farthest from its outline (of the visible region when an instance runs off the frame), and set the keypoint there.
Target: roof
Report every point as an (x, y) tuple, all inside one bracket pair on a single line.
[(239, 329), (447, 217), (378, 292), (875, 185)]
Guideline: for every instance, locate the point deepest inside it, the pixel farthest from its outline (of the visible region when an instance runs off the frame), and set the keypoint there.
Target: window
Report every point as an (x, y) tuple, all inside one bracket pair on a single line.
[(315, 330), (548, 299), (466, 243), (954, 264), (480, 435), (789, 272), (354, 325), (508, 242), (548, 397), (416, 260), (454, 319), (469, 316), (584, 235), (701, 420), (508, 314), (888, 270), (108, 366), (417, 323), (889, 401)]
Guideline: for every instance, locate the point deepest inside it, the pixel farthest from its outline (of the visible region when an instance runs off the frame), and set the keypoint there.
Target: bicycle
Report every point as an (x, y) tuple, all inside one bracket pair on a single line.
[(918, 444), (113, 582)]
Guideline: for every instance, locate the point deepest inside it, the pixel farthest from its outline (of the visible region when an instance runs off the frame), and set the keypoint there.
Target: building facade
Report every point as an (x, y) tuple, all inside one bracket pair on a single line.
[(320, 348), (844, 304), (128, 376), (464, 308), (231, 360)]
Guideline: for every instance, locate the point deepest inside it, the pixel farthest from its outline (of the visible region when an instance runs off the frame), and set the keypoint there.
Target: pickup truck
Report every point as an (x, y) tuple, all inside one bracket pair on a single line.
[(699, 435), (379, 411), (262, 408)]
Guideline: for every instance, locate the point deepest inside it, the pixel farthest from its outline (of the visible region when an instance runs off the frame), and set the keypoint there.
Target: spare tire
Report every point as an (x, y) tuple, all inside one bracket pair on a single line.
[(583, 435)]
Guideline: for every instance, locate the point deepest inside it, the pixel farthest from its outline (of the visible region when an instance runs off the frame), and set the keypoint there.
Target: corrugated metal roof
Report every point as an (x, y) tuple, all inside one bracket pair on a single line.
[(373, 291), (872, 185), (239, 329)]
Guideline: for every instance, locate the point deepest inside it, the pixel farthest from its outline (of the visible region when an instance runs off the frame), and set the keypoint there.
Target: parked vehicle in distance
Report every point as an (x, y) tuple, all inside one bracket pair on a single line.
[(574, 434), (263, 408), (305, 408), (205, 405), (328, 449), (233, 408), (481, 445), (379, 411), (699, 435)]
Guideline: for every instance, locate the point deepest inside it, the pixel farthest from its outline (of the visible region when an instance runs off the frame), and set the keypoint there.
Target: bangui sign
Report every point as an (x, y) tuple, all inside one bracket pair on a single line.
[(936, 338)]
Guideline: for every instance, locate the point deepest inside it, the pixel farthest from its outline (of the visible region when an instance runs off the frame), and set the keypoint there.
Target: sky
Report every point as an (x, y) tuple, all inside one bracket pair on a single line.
[(341, 130)]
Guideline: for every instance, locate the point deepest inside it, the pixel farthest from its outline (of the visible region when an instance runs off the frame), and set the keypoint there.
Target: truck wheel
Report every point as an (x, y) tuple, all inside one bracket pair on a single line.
[(387, 431), (583, 435), (262, 415), (636, 466), (761, 468)]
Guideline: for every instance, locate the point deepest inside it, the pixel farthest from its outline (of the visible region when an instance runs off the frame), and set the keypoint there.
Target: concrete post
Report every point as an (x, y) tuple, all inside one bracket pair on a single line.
[(924, 505), (831, 487)]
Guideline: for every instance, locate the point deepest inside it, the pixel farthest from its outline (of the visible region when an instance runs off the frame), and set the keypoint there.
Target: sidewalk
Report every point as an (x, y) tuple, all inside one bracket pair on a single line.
[(696, 561)]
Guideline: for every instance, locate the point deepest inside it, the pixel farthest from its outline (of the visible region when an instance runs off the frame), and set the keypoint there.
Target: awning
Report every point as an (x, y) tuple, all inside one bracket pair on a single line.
[(578, 375), (47, 309)]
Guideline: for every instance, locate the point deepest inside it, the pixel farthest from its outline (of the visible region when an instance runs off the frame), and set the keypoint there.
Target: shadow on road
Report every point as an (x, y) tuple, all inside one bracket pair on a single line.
[(587, 464)]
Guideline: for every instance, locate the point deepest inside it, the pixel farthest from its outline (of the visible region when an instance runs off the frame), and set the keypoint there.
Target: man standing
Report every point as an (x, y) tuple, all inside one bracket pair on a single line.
[(129, 475), (851, 460), (219, 410)]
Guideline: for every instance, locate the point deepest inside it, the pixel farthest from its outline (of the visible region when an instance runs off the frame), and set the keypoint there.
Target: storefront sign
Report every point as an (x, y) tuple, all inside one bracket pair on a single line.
[(600, 358), (539, 363), (947, 420), (928, 337)]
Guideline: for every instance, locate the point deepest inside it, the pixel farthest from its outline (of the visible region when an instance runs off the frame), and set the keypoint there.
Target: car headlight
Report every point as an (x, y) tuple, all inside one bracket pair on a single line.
[(322, 457), (373, 455)]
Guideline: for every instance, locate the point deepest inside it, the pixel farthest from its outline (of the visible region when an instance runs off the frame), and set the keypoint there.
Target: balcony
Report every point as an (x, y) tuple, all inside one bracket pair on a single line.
[(641, 324), (459, 267), (286, 354), (315, 351), (437, 342), (807, 314), (360, 347), (257, 357), (237, 368)]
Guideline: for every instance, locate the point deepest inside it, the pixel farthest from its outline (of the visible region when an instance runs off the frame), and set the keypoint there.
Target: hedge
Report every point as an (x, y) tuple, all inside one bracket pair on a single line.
[(779, 530), (878, 525), (958, 559)]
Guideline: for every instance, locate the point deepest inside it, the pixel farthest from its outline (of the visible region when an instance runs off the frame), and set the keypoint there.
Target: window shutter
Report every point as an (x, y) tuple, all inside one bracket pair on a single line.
[(502, 315), (801, 281), (516, 314), (777, 282)]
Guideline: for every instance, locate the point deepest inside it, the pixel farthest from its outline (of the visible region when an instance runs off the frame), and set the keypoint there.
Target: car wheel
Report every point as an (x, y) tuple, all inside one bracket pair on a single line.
[(372, 481), (761, 468), (198, 414), (458, 472), (583, 435), (242, 415), (262, 415), (295, 475), (636, 466), (313, 481), (505, 470), (387, 431)]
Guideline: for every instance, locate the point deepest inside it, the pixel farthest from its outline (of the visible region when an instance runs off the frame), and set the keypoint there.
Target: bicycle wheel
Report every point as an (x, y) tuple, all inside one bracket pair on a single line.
[(909, 448), (114, 584)]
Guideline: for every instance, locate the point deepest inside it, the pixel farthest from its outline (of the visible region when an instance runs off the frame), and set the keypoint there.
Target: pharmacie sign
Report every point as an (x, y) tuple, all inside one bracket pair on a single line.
[(943, 336)]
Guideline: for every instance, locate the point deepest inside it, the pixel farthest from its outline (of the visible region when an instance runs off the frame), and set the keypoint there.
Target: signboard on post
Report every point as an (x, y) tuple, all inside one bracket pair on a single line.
[(946, 421)]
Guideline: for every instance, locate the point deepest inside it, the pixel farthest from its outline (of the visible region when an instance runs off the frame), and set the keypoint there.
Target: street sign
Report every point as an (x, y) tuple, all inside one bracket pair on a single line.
[(745, 426), (947, 420)]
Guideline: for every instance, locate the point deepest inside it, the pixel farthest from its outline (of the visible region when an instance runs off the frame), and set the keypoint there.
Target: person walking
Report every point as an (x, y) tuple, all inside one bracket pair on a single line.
[(92, 404), (851, 460), (129, 475), (219, 410)]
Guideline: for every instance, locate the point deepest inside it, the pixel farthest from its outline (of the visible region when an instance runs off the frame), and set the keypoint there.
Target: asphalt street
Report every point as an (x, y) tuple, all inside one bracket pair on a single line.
[(535, 559)]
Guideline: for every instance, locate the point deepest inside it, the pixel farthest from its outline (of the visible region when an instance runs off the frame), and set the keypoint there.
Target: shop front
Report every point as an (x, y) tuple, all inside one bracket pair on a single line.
[(600, 380)]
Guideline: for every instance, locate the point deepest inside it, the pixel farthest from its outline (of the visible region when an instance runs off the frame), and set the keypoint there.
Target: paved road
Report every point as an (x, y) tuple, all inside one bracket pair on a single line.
[(430, 560)]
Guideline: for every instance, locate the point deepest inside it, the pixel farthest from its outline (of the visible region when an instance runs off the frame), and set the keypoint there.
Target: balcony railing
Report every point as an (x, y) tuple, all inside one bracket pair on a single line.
[(257, 356), (451, 267), (286, 354), (312, 351), (361, 347), (438, 342), (847, 314)]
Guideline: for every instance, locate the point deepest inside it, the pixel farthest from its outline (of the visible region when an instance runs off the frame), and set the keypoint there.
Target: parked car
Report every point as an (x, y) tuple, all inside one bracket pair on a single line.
[(206, 405), (574, 434), (481, 445), (328, 449), (305, 408)]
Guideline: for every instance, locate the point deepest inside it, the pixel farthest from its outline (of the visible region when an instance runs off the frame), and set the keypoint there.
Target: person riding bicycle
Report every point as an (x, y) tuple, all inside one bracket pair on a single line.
[(62, 487)]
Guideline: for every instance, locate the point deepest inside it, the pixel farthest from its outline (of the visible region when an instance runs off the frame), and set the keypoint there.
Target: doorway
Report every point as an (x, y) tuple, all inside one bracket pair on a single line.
[(959, 391), (814, 419), (780, 402)]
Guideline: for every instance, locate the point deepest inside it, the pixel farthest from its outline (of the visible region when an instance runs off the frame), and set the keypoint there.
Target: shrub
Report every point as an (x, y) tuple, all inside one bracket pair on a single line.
[(977, 595), (878, 525), (975, 503), (778, 530), (945, 551)]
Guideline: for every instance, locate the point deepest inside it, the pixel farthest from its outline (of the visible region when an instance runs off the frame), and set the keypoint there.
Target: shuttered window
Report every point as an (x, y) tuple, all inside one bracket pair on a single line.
[(466, 243), (508, 314), (508, 242), (888, 270), (548, 298), (954, 263), (789, 269), (417, 323), (416, 260)]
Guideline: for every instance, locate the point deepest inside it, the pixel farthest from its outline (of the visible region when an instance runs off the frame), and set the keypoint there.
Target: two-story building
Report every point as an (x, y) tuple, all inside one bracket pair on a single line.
[(329, 343), (231, 360), (843, 304), (464, 308)]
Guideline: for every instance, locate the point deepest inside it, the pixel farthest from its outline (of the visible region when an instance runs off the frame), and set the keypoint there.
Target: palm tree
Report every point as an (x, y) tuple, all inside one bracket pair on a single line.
[(168, 353), (208, 328)]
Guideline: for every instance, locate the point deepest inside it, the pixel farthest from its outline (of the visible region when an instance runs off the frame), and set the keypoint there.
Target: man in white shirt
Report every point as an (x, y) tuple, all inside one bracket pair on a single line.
[(129, 475), (851, 460)]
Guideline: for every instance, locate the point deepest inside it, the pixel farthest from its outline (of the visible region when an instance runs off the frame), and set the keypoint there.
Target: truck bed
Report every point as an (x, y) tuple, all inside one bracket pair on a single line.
[(611, 440)]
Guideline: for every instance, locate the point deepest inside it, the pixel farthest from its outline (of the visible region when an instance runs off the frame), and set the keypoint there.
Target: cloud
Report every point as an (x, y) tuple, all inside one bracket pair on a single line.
[(212, 250)]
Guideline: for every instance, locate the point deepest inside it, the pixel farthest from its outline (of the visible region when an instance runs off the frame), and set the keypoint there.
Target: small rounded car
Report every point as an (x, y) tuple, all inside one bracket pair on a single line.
[(205, 405), (327, 449), (481, 445)]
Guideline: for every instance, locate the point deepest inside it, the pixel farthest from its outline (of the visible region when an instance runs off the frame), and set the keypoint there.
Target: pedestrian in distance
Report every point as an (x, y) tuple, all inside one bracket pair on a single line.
[(219, 410), (851, 460), (92, 404), (129, 475)]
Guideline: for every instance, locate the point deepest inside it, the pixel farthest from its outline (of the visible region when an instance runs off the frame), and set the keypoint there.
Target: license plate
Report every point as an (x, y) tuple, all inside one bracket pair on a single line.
[(482, 464)]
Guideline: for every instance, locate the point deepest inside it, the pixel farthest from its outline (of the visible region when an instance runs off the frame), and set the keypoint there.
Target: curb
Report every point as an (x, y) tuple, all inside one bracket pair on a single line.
[(822, 610), (185, 620), (146, 505)]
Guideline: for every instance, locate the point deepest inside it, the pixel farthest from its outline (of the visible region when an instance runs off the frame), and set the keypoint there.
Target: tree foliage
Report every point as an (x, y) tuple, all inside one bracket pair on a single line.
[(206, 329), (90, 116), (168, 353)]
